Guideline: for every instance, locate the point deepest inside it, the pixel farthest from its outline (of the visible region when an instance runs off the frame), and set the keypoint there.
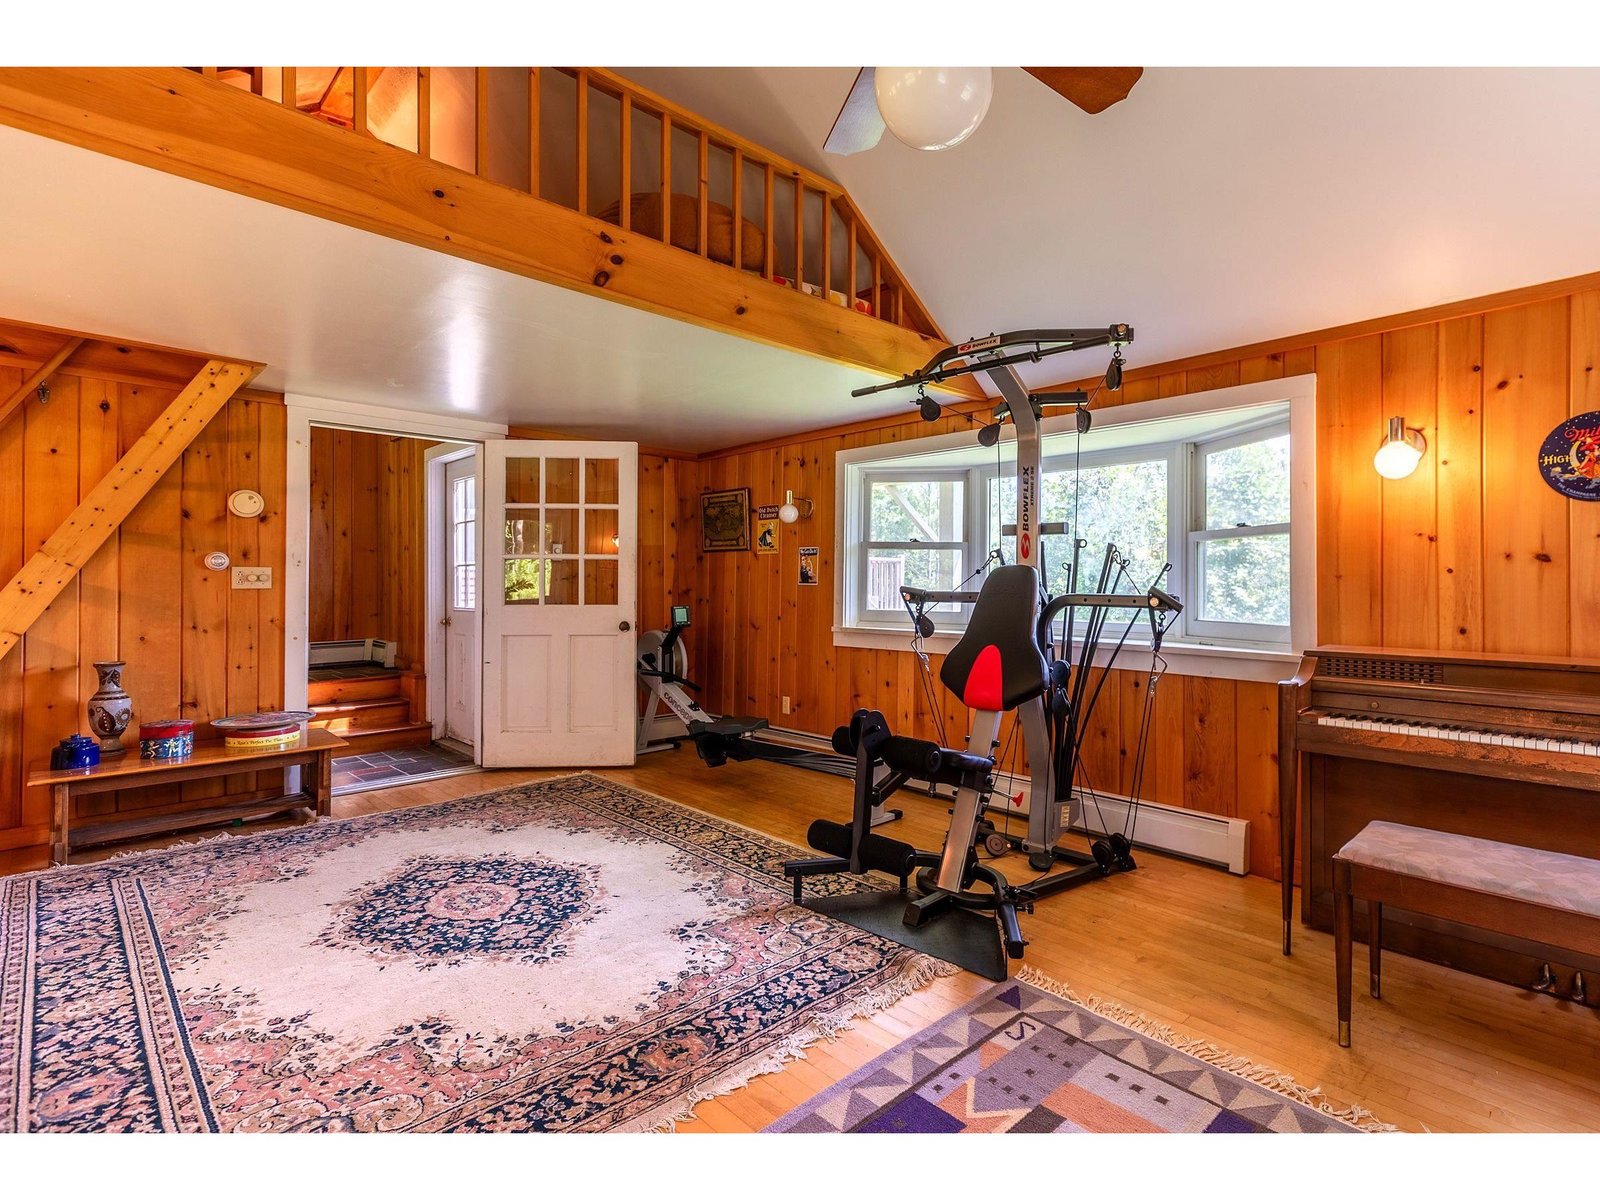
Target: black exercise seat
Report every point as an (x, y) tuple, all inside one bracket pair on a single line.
[(997, 665), (728, 727)]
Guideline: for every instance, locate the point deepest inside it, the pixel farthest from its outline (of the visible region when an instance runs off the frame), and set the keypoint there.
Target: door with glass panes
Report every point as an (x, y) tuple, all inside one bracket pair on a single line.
[(559, 593), (461, 602)]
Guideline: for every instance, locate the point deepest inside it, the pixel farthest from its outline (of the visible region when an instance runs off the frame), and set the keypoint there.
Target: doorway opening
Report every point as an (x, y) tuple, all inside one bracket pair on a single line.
[(376, 584)]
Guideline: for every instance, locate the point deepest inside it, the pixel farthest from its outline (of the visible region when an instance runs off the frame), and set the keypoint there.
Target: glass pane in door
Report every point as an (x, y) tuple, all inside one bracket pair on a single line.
[(522, 481), (601, 484), (561, 481)]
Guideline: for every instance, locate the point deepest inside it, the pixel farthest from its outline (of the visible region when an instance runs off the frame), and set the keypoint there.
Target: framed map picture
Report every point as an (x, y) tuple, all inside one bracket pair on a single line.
[(725, 519)]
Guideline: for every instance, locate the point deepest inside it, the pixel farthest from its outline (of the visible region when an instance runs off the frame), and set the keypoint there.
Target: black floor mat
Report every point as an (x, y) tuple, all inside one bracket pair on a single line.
[(970, 940)]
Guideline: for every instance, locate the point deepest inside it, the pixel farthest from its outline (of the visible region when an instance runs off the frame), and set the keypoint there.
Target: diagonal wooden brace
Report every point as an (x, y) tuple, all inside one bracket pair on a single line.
[(98, 515)]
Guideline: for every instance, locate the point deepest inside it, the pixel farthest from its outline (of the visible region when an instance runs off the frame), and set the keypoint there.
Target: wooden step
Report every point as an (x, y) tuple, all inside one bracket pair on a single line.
[(359, 716), (322, 692), (400, 738)]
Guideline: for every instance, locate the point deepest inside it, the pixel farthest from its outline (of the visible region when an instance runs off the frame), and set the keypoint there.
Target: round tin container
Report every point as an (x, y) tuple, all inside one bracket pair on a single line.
[(166, 739)]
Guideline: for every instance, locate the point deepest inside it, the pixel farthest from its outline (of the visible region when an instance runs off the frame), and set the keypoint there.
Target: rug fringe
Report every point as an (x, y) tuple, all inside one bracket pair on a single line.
[(920, 970), (1207, 1052)]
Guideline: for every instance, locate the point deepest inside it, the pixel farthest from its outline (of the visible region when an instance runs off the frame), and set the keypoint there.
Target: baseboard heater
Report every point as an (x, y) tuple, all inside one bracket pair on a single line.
[(356, 650), (1203, 837)]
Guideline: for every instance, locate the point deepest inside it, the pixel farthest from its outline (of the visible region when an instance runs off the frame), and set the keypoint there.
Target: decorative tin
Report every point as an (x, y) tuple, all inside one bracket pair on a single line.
[(166, 739)]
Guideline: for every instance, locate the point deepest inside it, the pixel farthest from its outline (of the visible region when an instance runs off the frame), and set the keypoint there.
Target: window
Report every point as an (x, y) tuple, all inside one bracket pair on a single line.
[(464, 543), (1208, 494), (916, 535), (1239, 539)]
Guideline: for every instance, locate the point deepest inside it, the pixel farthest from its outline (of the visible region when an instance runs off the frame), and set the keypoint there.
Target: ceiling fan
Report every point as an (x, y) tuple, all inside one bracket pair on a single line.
[(934, 108)]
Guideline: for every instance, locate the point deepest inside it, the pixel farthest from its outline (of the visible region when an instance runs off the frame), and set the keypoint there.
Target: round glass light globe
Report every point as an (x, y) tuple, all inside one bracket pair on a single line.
[(788, 514), (1396, 460), (933, 108)]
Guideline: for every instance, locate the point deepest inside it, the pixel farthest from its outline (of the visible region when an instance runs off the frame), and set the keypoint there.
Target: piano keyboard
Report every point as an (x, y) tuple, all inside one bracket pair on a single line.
[(1461, 733)]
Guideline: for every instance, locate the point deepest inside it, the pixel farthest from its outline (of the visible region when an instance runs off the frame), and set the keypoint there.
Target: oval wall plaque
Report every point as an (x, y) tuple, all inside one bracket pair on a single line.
[(1569, 460)]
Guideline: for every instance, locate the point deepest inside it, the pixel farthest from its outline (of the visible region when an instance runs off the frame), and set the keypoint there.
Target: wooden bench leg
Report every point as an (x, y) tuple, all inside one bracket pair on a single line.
[(1375, 946), (1342, 946), (61, 820)]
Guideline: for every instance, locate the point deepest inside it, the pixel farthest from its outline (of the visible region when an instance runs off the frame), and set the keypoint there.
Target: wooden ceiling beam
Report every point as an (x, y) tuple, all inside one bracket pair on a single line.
[(75, 541), (37, 379)]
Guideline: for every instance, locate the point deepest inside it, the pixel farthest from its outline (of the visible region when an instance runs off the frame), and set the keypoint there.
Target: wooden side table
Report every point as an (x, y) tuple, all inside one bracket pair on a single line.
[(210, 760)]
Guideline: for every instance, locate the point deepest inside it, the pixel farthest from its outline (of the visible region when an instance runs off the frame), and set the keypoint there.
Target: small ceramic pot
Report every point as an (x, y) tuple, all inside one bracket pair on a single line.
[(110, 708)]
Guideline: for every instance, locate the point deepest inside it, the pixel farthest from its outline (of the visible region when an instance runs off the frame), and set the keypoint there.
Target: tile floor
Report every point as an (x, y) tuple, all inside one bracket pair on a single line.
[(383, 768)]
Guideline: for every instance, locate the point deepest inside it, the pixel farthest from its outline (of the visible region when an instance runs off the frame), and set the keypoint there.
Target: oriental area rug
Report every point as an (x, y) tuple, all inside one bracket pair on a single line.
[(573, 955), (1027, 1057)]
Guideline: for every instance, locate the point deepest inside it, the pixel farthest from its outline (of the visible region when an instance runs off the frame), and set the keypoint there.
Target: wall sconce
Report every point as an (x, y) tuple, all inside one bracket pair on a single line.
[(793, 509), (1400, 451)]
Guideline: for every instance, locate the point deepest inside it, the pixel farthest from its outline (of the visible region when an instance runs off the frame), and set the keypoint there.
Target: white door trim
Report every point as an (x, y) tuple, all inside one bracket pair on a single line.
[(304, 412), (438, 460)]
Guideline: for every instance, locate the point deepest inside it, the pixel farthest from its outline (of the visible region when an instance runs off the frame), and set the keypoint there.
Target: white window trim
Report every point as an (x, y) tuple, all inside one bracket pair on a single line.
[(1191, 657)]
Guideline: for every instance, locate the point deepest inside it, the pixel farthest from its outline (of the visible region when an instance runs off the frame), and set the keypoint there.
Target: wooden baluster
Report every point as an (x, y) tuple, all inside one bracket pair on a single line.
[(480, 121), (583, 141), (291, 92), (425, 111), (358, 98), (666, 179), (258, 81), (772, 240), (625, 167), (877, 284), (850, 299), (703, 238), (827, 248), (209, 72), (535, 96), (799, 235), (738, 210), (900, 302)]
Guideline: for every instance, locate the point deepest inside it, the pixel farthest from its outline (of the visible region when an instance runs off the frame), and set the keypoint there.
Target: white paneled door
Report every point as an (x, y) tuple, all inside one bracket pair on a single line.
[(558, 586), (461, 601)]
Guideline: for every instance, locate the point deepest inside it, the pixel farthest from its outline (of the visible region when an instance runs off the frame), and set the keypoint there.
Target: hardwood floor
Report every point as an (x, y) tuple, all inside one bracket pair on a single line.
[(1189, 945)]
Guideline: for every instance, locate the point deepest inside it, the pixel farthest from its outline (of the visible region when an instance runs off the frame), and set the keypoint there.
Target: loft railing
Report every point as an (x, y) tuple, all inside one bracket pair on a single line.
[(587, 139)]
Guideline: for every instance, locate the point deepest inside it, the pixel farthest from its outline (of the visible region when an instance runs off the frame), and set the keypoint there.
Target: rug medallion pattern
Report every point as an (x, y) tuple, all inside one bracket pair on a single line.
[(570, 955)]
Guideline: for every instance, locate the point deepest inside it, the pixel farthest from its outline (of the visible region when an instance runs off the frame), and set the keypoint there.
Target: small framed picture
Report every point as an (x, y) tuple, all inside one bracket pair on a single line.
[(725, 519), (808, 566), (767, 529)]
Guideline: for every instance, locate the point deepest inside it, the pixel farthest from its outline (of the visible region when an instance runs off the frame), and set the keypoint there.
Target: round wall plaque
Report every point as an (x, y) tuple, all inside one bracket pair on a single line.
[(246, 503), (1569, 459)]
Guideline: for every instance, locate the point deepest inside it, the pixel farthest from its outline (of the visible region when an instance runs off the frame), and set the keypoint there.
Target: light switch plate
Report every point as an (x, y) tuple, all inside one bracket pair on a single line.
[(252, 578)]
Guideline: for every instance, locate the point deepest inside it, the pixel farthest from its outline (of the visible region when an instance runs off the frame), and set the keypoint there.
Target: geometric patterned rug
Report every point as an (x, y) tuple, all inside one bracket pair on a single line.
[(1025, 1057), (568, 955)]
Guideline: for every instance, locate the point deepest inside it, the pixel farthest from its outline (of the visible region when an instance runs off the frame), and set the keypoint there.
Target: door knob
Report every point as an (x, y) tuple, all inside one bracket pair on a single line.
[(444, 620), (624, 626)]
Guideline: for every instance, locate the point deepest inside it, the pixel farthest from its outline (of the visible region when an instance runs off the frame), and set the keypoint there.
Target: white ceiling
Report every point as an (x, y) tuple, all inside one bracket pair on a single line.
[(1213, 207), (92, 243)]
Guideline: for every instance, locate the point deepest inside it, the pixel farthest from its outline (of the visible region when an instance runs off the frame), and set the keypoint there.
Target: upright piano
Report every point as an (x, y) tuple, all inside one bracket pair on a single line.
[(1492, 746)]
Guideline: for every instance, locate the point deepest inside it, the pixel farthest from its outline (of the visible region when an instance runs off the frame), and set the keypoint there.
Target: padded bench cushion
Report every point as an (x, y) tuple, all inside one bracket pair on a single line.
[(1563, 881)]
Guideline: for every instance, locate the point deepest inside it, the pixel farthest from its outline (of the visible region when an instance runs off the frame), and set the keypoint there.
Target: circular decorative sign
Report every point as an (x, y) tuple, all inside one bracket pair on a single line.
[(246, 503), (1569, 460)]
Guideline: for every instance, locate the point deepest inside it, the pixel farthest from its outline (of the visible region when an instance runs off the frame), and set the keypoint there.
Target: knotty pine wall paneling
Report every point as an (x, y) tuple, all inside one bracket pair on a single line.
[(368, 524), (1472, 552), (193, 646)]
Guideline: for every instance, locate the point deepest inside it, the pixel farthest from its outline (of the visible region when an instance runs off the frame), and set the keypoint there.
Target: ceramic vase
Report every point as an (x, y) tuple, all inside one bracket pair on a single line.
[(110, 708)]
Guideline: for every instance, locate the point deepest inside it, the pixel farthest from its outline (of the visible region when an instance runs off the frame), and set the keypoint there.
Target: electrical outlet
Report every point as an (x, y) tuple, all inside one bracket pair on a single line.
[(786, 706), (252, 578)]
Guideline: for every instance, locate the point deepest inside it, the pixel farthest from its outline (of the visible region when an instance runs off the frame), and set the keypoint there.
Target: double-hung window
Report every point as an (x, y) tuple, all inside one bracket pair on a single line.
[(1238, 559), (915, 534)]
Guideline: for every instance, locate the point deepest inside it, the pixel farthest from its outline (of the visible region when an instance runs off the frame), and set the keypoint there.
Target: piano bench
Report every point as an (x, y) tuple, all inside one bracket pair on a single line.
[(1537, 895)]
